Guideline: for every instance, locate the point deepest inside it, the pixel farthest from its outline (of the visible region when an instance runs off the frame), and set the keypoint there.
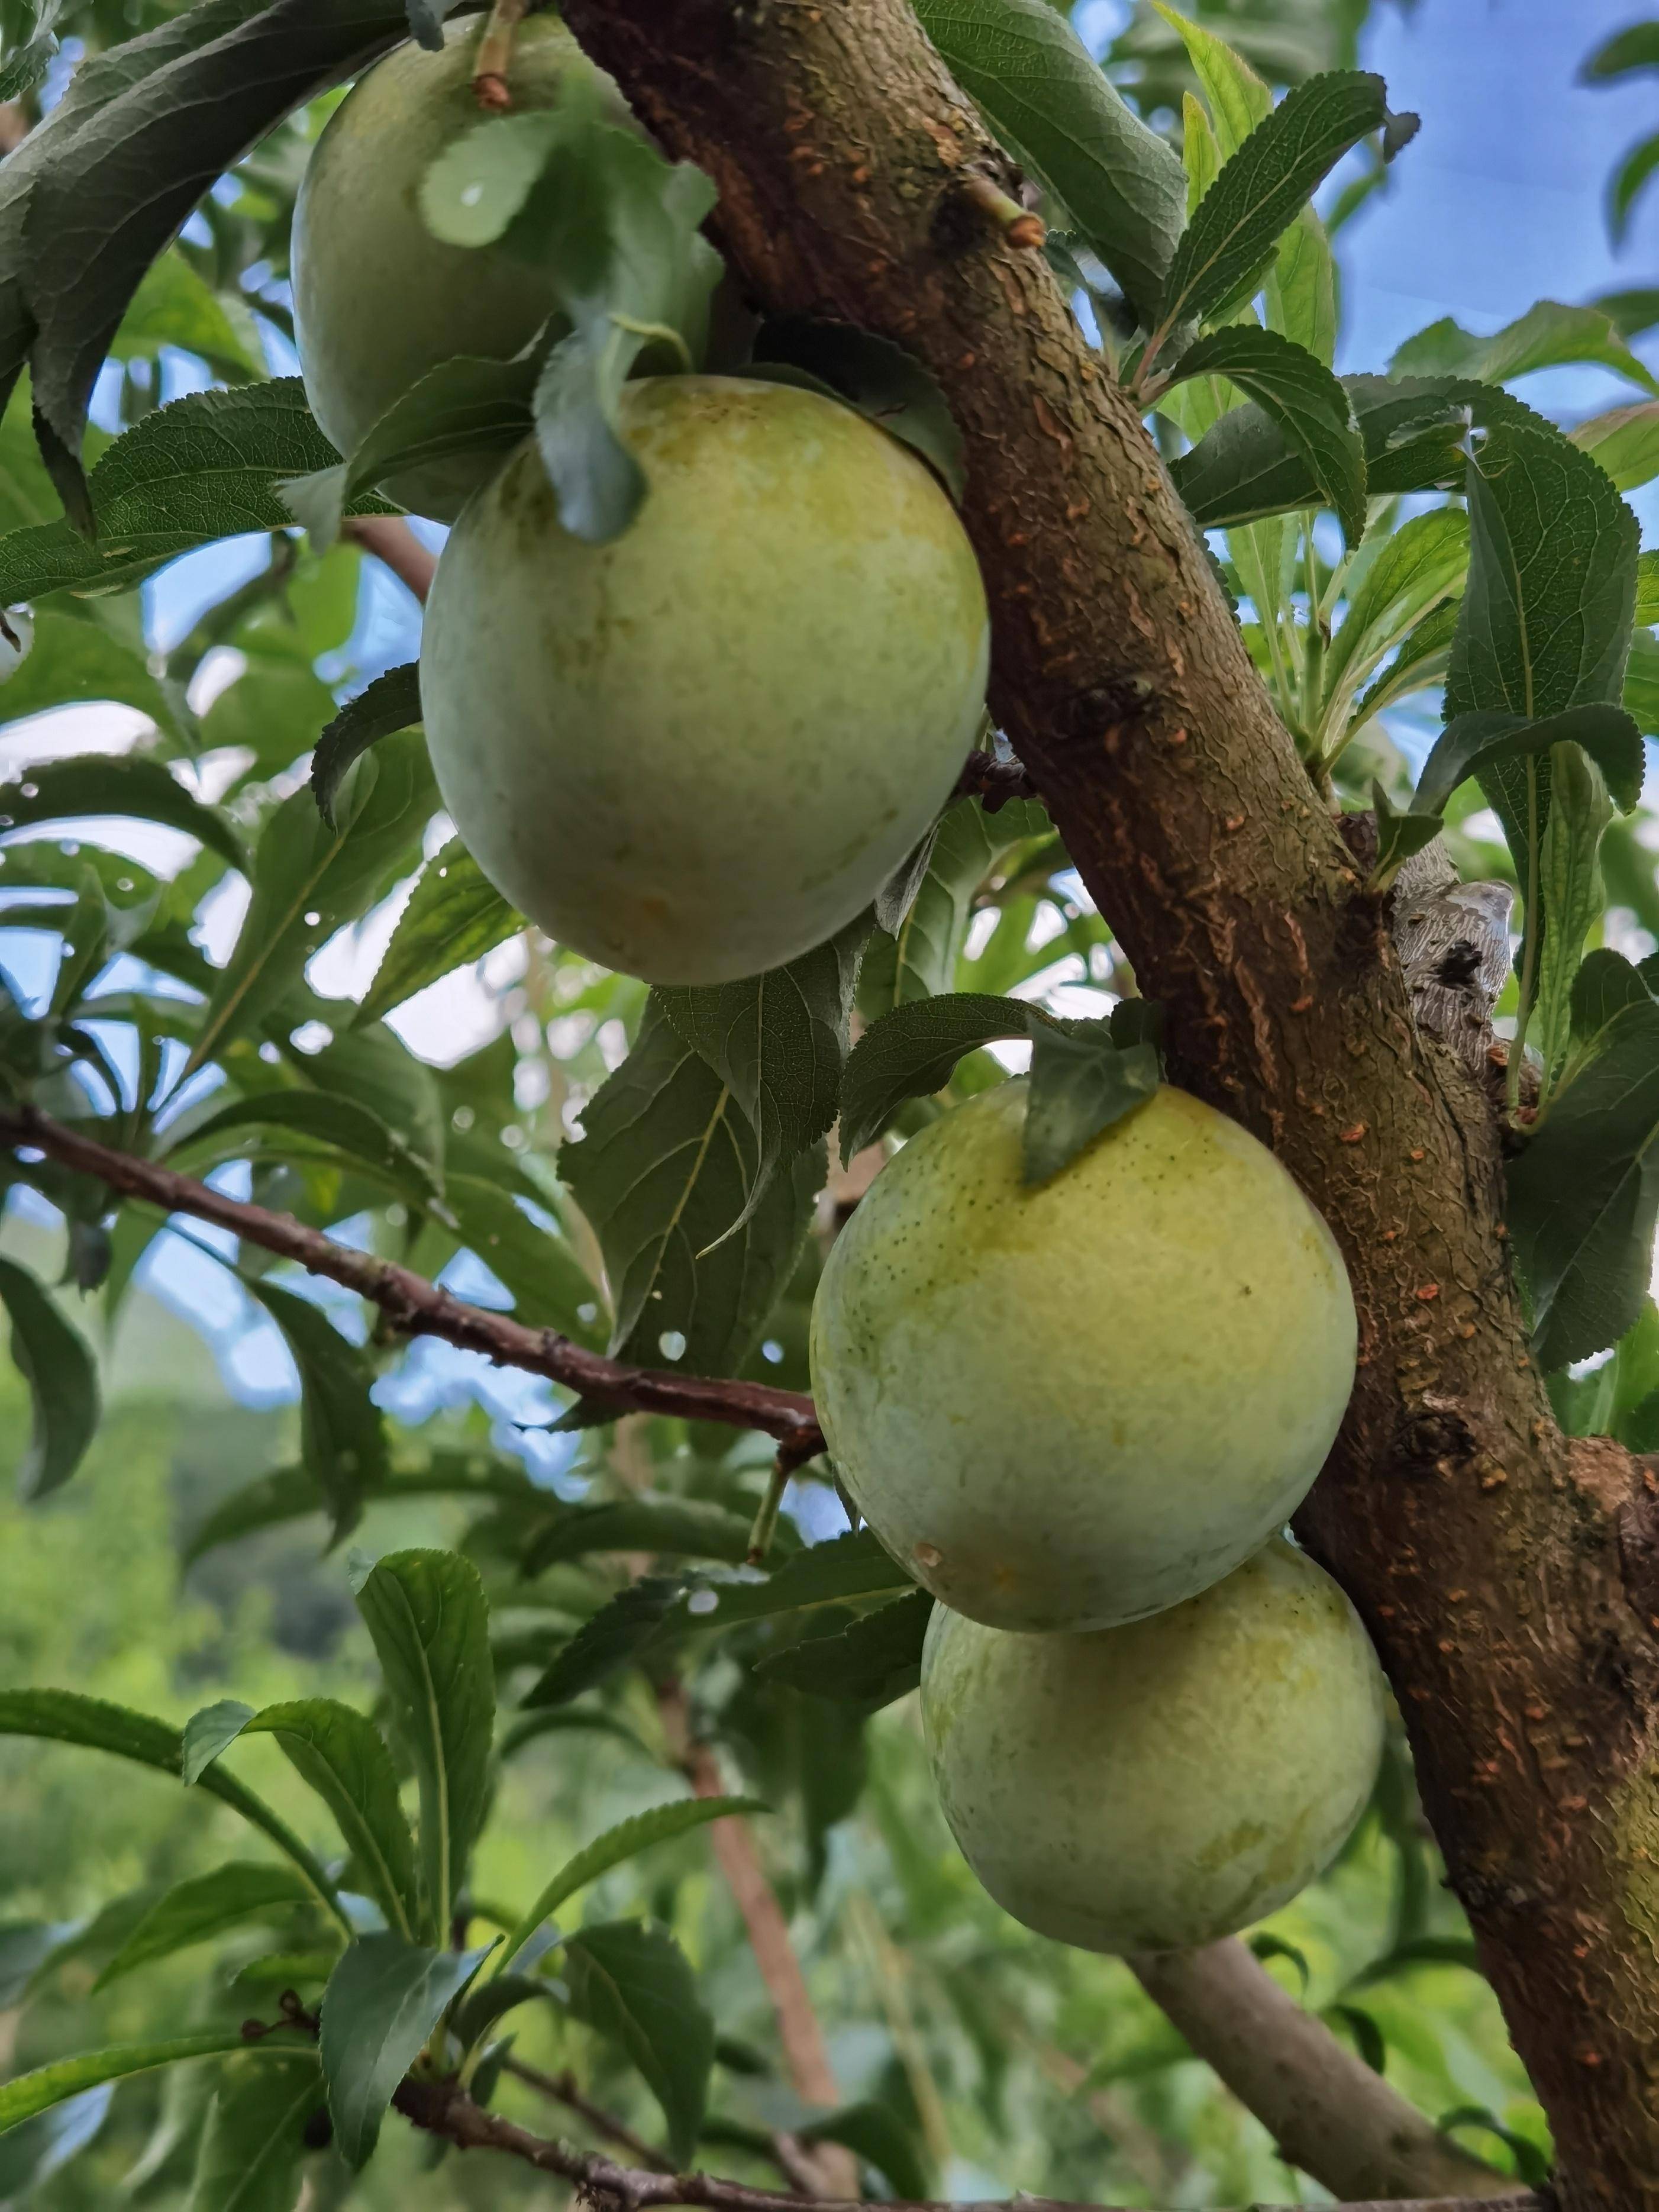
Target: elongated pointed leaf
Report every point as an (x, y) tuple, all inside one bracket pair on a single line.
[(255, 2143), (382, 2002), (870, 1663), (1570, 882), (1081, 1082), (1300, 394), (689, 1527), (660, 1825), (342, 1430), (455, 916), (1033, 76), (633, 1983), (911, 1052), (1625, 442), (1470, 744), (846, 1568), (320, 1117), (664, 1167), (1262, 188), (1548, 336), (343, 1756), (617, 1633), (917, 957), (29, 2093), (124, 784), (62, 1379), (1419, 567), (427, 1614), (288, 1493), (391, 702), (196, 1911), (209, 1732), (534, 1262), (66, 1716)]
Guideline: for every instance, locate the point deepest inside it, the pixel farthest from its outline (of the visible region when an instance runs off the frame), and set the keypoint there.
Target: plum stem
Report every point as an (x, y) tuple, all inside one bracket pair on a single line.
[(489, 85)]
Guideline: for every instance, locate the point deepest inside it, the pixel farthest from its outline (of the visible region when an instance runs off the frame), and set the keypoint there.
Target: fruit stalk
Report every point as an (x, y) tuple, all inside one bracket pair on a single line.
[(494, 57)]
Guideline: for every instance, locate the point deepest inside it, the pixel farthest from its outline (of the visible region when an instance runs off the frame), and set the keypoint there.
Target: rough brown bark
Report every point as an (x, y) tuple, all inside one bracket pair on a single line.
[(1509, 1581)]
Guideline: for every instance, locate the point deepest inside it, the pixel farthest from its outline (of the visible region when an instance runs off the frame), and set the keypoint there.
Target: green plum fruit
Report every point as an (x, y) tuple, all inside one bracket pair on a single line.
[(378, 300), (1163, 1785), (700, 750), (1068, 1405)]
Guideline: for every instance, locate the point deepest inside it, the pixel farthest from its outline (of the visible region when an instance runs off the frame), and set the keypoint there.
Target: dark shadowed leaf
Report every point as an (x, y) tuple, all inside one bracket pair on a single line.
[(688, 1527), (1300, 394), (633, 1983), (616, 1635), (318, 1117), (1470, 744), (196, 1911), (54, 1362), (382, 2002), (391, 702), (1398, 836), (255, 2140), (919, 959), (1081, 1082), (342, 1430), (455, 916), (1029, 71), (880, 2138), (878, 377), (845, 1569), (910, 1053), (427, 1614), (664, 1167), (660, 1825), (875, 1660)]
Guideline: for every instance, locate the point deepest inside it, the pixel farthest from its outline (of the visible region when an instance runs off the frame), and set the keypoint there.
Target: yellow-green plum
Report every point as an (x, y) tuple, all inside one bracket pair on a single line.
[(700, 750), (1068, 1405), (1163, 1785), (378, 300)]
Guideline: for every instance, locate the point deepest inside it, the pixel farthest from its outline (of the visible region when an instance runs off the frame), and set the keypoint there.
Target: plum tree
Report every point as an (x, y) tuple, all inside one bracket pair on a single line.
[(1158, 1785), (698, 750), (1066, 1406), (378, 300)]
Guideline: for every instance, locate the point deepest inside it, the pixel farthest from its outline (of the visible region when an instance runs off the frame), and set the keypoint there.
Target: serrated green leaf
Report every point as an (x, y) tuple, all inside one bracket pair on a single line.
[(71, 661), (1625, 442), (455, 916), (845, 1569), (920, 958), (1548, 336), (391, 702), (1262, 187), (615, 1635), (343, 1757), (308, 878), (173, 306), (533, 1263), (664, 1168), (382, 2002), (318, 1117), (1299, 393), (661, 1823), (632, 1982), (209, 1732), (54, 1360), (910, 1053), (1472, 744), (196, 1911), (29, 2093), (125, 784), (1081, 1082), (870, 1663), (430, 1625), (255, 2143), (1033, 76), (1417, 568), (343, 1439)]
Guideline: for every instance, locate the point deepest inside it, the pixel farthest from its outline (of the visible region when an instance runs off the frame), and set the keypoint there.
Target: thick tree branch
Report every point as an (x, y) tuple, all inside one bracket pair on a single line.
[(416, 1307), (1326, 2110), (1484, 1555)]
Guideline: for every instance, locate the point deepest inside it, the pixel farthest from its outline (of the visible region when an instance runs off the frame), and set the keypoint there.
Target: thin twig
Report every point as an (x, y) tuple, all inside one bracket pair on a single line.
[(391, 540), (562, 2090), (415, 1307)]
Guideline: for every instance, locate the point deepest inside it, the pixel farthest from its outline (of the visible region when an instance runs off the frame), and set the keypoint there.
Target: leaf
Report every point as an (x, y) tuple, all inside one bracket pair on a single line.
[(534, 1264), (1029, 71), (1262, 187), (661, 1823), (967, 851), (910, 1053), (1630, 179), (430, 1625), (196, 1911), (25, 1948), (777, 1041), (872, 1662), (615, 1635), (391, 702), (21, 2097), (1416, 568), (319, 1117), (455, 916), (1625, 442), (1548, 336), (382, 2002), (1081, 1082), (256, 2137), (1583, 1196), (875, 377), (71, 661), (32, 2152), (62, 1379), (879, 2137), (1471, 744), (66, 1716), (633, 1984), (204, 468), (1570, 883), (844, 1569), (1636, 47), (1398, 836), (344, 1758), (209, 1732), (288, 1493), (1300, 394), (689, 1527), (124, 784), (308, 878), (342, 1440), (663, 1169), (174, 306)]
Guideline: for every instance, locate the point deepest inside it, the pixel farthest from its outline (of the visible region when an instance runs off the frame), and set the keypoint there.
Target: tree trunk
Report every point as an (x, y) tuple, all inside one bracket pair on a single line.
[(1511, 1582)]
